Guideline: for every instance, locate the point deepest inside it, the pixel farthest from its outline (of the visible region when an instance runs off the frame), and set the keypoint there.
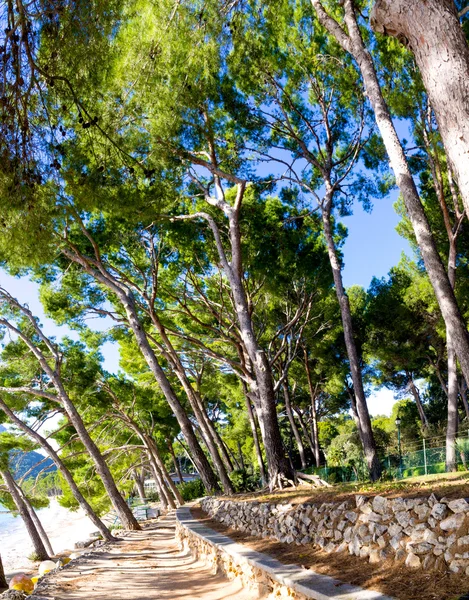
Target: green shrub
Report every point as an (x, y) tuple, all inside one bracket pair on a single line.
[(191, 490), (243, 481)]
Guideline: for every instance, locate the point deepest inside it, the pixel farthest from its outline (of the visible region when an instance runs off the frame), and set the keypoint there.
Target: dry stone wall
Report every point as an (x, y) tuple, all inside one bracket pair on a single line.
[(425, 532)]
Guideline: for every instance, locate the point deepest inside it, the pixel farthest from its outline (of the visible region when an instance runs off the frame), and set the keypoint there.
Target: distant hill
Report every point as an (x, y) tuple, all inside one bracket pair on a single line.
[(22, 462)]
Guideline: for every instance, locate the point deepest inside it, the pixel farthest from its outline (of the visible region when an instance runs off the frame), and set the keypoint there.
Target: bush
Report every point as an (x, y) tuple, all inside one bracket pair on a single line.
[(191, 490), (243, 481)]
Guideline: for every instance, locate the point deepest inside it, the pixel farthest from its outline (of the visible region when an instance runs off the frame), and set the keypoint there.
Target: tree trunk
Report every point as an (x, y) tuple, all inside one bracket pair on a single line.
[(314, 417), (139, 485), (39, 548), (278, 464), (170, 483), (255, 436), (126, 517), (291, 418), (453, 418), (63, 470), (241, 457), (308, 435), (418, 401), (36, 521), (220, 444), (128, 303), (430, 29), (353, 43), (177, 468), (196, 404), (163, 493), (3, 581), (463, 394), (365, 430), (203, 466)]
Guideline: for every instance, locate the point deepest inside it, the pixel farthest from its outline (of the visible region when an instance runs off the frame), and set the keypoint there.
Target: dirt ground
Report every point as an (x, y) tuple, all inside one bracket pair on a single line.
[(448, 485), (393, 579), (145, 565)]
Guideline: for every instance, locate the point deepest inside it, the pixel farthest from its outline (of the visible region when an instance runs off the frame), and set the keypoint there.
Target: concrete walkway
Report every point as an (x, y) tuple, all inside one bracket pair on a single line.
[(145, 565)]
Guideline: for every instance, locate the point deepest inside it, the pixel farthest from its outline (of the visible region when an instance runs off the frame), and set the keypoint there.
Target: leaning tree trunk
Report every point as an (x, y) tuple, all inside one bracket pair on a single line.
[(195, 402), (203, 466), (431, 30), (365, 430), (163, 492), (139, 485), (353, 43), (291, 418), (3, 581), (159, 461), (177, 468), (37, 521), (107, 535), (123, 511), (39, 548), (128, 303), (418, 401)]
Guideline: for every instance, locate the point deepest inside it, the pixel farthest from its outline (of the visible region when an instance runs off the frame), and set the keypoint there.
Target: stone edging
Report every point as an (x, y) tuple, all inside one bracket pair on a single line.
[(265, 576)]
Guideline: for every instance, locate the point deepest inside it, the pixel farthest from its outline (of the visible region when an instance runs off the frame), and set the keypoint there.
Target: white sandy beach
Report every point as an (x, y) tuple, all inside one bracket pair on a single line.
[(63, 527)]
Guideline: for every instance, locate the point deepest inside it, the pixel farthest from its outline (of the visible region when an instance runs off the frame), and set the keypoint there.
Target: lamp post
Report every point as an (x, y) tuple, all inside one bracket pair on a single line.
[(398, 425)]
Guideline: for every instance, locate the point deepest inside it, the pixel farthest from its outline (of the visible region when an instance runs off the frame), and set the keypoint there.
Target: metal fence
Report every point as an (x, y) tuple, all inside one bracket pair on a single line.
[(424, 457)]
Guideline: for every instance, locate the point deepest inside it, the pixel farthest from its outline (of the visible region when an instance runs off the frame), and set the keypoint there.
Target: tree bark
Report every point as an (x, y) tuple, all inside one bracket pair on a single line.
[(219, 442), (39, 548), (352, 42), (314, 417), (255, 436), (431, 30), (63, 470), (177, 468), (165, 496), (196, 404), (36, 521), (127, 301), (365, 430), (278, 464), (123, 511), (203, 466), (3, 581), (453, 417), (418, 401), (139, 485), (291, 418), (169, 482)]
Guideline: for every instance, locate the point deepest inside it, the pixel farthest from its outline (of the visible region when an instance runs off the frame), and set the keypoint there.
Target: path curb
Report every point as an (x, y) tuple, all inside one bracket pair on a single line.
[(311, 585)]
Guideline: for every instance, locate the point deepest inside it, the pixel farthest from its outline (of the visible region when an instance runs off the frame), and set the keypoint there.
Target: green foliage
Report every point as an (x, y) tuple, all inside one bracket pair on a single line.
[(191, 490), (244, 481)]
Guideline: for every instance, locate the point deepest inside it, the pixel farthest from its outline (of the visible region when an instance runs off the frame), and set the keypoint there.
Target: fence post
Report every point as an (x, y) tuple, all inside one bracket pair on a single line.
[(425, 456)]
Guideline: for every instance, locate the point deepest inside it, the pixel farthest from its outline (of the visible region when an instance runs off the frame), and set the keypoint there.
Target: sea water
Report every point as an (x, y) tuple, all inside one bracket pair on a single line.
[(63, 527)]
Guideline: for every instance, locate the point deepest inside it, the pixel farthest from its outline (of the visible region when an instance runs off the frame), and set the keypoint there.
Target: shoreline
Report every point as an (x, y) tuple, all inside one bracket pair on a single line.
[(63, 526)]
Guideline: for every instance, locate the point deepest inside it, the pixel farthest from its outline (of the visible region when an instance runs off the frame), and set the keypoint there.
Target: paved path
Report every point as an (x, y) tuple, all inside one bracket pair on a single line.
[(145, 565)]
